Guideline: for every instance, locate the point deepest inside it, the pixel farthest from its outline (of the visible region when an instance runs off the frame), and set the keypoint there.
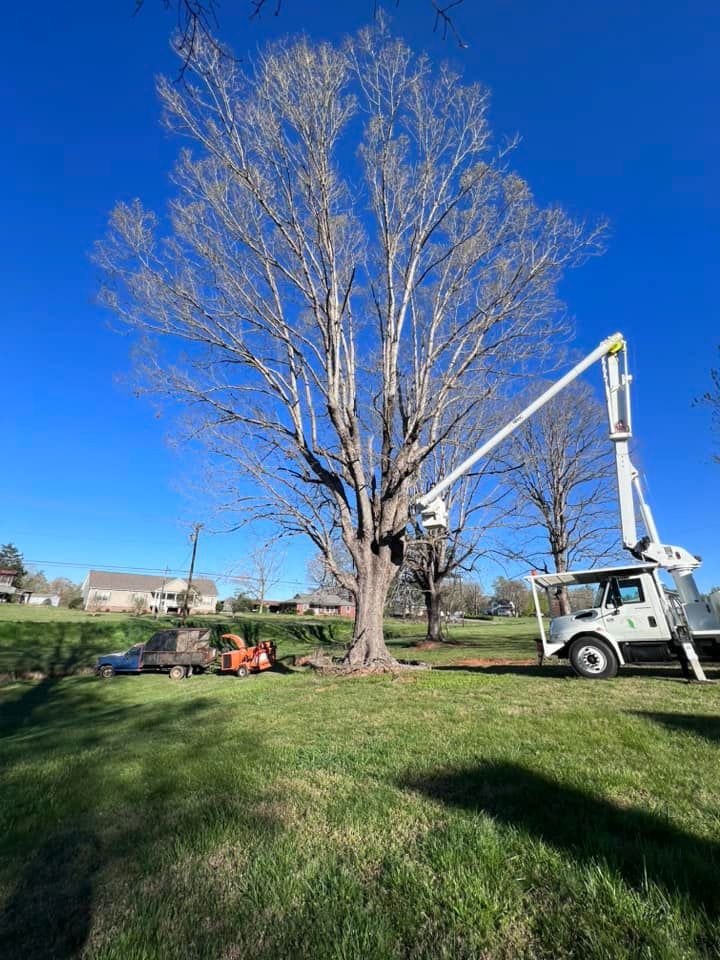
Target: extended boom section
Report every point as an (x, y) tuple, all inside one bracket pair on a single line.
[(431, 506)]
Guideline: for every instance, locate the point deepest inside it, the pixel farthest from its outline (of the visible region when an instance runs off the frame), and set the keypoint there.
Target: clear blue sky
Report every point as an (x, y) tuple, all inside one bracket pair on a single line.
[(617, 104)]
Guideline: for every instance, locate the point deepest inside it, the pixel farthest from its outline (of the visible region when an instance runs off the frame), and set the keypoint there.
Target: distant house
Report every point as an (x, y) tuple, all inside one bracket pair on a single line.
[(319, 603), (136, 592), (40, 599), (7, 584)]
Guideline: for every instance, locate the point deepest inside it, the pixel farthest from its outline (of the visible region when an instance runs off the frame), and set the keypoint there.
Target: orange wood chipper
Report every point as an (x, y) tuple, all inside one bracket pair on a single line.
[(243, 659)]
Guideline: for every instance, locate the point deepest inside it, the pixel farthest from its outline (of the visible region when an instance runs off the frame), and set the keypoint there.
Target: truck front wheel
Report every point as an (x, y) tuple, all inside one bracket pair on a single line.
[(106, 671), (593, 659), (177, 672)]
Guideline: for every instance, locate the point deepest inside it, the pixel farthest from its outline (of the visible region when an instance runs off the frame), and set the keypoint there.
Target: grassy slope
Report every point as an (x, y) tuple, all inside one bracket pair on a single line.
[(452, 813)]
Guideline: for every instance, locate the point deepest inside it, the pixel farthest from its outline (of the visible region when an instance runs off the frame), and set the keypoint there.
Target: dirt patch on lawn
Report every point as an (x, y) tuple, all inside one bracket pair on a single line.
[(483, 662)]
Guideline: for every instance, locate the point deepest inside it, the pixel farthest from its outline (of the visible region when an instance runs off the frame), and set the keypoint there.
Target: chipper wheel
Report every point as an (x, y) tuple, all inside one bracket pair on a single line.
[(242, 672)]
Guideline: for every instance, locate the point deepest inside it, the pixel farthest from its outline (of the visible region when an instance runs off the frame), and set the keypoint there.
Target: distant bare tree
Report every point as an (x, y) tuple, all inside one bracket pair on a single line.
[(475, 599), (516, 591), (476, 506), (34, 581), (711, 399), (264, 569), (563, 477), (346, 267), (139, 604), (68, 591), (324, 569)]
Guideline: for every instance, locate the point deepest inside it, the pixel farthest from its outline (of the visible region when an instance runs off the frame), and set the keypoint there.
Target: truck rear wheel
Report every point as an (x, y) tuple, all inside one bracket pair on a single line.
[(593, 659), (177, 672), (106, 671)]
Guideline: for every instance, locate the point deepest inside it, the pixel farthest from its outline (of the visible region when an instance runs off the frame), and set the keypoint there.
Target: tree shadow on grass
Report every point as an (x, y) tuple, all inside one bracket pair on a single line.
[(84, 802), (315, 634), (14, 714), (635, 843), (698, 724), (49, 912)]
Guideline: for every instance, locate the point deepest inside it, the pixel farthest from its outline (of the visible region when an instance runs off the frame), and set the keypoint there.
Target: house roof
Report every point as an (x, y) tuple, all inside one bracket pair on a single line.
[(102, 580), (323, 598)]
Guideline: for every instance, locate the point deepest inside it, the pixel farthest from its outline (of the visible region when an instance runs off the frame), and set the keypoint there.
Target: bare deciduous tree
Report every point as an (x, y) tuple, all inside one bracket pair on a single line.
[(711, 399), (474, 598), (347, 266), (563, 477), (265, 568), (476, 505), (516, 591), (322, 565), (139, 604)]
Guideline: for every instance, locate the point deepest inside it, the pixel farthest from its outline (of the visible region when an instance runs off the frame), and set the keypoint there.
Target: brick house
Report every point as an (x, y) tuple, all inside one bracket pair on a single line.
[(319, 603), (124, 592)]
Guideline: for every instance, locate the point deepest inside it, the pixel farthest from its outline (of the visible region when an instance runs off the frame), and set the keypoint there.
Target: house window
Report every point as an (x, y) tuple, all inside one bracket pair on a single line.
[(102, 596)]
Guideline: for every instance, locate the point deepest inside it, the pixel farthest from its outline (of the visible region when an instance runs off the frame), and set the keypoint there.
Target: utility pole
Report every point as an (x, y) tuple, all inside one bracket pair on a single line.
[(197, 527)]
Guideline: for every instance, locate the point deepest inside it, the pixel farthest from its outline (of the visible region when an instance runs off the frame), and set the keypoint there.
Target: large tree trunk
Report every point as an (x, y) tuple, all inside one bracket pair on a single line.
[(432, 607), (374, 576), (563, 601), (560, 558)]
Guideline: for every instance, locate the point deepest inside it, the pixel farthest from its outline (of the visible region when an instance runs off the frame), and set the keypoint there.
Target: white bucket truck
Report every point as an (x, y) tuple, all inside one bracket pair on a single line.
[(634, 617)]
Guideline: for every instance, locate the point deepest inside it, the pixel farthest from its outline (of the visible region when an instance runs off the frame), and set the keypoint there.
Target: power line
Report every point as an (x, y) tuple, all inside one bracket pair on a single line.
[(158, 571)]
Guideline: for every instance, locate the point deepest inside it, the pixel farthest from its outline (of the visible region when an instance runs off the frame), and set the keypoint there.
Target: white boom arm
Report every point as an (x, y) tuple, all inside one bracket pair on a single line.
[(433, 511)]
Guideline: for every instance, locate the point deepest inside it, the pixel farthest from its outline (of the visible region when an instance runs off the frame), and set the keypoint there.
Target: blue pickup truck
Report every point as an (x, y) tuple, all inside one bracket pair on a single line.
[(179, 653)]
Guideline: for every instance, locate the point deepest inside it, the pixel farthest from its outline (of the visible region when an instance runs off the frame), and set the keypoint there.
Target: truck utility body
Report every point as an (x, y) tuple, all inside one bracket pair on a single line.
[(634, 617), (177, 652), (633, 614)]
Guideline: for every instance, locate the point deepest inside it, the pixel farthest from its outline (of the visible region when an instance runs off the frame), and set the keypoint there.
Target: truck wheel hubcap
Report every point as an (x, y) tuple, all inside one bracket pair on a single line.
[(592, 659)]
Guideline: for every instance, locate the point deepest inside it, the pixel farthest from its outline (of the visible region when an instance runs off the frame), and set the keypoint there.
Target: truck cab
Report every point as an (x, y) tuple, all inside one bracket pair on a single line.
[(633, 619), (128, 662)]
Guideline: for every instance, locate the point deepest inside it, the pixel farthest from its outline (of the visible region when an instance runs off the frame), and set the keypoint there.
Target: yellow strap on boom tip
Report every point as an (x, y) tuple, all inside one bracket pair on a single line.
[(617, 347)]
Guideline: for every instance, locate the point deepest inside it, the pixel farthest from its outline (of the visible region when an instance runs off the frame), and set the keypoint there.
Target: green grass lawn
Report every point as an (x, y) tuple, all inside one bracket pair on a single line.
[(513, 812), (69, 641)]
